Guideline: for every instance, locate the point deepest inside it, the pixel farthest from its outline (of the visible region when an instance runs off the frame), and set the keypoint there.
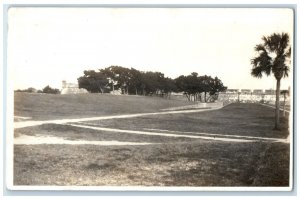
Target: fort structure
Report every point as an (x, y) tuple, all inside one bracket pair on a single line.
[(72, 88), (256, 95)]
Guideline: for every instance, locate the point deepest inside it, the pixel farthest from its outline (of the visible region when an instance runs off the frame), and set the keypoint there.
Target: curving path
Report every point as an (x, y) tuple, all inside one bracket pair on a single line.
[(63, 121)]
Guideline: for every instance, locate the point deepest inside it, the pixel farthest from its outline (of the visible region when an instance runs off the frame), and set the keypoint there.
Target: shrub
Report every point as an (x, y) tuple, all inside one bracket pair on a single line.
[(50, 90)]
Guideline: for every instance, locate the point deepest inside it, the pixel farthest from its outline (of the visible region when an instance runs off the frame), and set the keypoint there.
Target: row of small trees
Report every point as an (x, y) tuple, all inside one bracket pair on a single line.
[(47, 89), (132, 81)]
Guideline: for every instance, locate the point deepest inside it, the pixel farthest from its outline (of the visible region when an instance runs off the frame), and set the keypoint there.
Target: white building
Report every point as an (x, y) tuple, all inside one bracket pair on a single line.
[(247, 95), (72, 88)]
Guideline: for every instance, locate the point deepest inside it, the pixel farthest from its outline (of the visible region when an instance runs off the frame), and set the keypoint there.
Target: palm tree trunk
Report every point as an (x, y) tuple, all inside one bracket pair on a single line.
[(284, 104), (277, 104)]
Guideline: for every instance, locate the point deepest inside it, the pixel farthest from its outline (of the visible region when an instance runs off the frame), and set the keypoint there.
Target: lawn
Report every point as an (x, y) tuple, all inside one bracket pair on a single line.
[(166, 161), (51, 106), (236, 119), (194, 163)]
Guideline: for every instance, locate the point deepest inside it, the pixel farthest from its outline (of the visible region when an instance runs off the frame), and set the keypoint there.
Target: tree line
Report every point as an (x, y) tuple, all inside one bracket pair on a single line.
[(47, 90), (134, 82)]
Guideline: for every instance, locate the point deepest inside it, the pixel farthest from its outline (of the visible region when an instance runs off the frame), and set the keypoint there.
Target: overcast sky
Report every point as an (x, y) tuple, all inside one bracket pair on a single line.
[(48, 45)]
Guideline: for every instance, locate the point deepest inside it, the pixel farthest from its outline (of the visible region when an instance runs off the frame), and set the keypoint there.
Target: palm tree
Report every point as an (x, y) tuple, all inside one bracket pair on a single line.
[(272, 57)]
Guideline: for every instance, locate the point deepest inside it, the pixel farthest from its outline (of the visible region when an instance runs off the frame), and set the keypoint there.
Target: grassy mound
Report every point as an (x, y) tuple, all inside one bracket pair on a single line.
[(49, 106)]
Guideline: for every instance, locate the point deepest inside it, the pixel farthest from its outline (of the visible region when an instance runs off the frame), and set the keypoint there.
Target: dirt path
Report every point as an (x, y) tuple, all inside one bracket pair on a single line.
[(218, 135), (62, 121), (206, 136), (20, 117), (38, 139)]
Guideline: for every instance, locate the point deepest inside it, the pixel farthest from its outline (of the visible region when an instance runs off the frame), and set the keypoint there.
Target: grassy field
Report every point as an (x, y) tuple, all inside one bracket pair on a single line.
[(235, 119), (166, 161), (50, 106)]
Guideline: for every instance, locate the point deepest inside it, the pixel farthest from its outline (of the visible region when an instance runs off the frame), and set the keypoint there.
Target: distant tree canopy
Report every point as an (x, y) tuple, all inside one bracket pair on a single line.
[(132, 81), (46, 89), (193, 86), (29, 90), (93, 81), (50, 90)]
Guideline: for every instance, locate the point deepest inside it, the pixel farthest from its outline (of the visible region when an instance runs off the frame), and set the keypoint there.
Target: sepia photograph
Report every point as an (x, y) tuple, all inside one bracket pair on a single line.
[(135, 98)]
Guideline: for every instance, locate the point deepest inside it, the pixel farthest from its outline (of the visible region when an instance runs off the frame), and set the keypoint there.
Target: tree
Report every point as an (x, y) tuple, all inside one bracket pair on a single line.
[(135, 81), (193, 86), (216, 87), (271, 57), (189, 85), (50, 90), (207, 84), (29, 90), (152, 83), (93, 81), (168, 87), (118, 75)]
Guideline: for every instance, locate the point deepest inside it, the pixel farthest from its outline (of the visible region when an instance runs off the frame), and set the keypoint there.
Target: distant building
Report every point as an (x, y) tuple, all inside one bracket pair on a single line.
[(245, 91), (258, 91), (247, 95), (232, 91), (270, 92), (72, 88)]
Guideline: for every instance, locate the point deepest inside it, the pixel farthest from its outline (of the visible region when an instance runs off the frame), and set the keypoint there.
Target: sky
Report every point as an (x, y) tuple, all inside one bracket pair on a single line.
[(48, 45)]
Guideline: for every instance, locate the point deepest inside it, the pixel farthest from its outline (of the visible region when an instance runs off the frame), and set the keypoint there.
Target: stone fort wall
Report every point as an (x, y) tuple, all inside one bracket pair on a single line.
[(267, 96), (72, 88)]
